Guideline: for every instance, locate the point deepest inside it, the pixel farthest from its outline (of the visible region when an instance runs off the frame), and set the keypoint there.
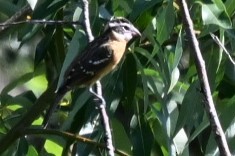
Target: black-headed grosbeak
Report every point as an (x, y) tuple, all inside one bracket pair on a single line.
[(100, 56)]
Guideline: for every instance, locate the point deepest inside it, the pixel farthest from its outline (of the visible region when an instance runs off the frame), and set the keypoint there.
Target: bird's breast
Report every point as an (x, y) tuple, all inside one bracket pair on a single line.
[(118, 48)]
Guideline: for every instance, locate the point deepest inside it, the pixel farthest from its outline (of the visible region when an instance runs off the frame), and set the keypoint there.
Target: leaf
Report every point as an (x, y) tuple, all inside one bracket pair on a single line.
[(141, 6), (73, 50), (19, 81), (165, 22), (32, 151), (77, 14), (37, 84), (199, 129), (79, 103), (212, 14), (129, 78), (175, 73), (22, 147), (32, 3), (53, 148), (178, 51), (156, 121), (144, 80), (192, 101), (141, 136), (174, 79), (42, 46), (180, 141), (230, 6), (118, 132), (7, 8), (103, 12), (45, 9)]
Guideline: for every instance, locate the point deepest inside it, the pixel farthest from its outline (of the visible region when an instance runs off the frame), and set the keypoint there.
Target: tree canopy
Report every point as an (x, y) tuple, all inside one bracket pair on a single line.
[(154, 98)]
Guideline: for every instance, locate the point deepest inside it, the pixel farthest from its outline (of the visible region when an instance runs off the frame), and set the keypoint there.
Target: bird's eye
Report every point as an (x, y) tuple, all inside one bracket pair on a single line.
[(126, 28)]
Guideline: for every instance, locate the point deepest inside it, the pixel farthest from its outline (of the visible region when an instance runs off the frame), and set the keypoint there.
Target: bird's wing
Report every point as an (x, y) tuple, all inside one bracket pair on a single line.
[(85, 66)]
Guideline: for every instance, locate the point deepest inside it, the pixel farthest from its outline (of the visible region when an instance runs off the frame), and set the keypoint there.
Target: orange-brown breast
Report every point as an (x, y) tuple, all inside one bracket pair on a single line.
[(118, 48)]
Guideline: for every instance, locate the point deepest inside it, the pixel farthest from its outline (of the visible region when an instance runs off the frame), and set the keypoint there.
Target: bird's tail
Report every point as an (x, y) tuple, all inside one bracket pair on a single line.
[(59, 95)]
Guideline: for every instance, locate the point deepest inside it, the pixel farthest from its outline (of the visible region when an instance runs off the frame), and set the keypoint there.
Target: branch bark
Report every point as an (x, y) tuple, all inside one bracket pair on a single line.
[(205, 88), (101, 104), (16, 17), (70, 136)]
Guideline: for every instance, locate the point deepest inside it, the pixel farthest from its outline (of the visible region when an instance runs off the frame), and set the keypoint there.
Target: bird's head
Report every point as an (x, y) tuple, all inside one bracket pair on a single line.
[(122, 29)]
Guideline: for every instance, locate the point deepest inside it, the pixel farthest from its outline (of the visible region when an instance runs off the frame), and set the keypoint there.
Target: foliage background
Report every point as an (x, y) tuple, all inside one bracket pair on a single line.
[(153, 98)]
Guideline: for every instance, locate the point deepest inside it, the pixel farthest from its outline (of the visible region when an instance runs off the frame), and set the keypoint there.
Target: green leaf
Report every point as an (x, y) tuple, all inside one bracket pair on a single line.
[(156, 121), (230, 6), (22, 147), (129, 78), (37, 84), (174, 79), (7, 7), (178, 51), (45, 9), (141, 6), (21, 80), (42, 46), (118, 132), (144, 81), (73, 50), (53, 148), (77, 14), (212, 14), (192, 101), (199, 129), (32, 151), (79, 102), (141, 136), (165, 22)]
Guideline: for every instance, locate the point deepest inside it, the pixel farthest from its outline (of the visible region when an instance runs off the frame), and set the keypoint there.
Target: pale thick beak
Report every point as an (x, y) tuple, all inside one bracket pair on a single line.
[(135, 32)]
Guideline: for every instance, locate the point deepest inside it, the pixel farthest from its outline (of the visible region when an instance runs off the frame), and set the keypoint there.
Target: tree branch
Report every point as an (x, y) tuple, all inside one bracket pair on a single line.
[(87, 20), (217, 41), (16, 17), (47, 22), (202, 74), (15, 132), (71, 136), (98, 88)]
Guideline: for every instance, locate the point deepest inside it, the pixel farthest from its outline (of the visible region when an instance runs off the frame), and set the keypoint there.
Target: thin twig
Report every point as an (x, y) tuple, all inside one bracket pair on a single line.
[(98, 92), (44, 21), (202, 74), (216, 39), (105, 119), (87, 20), (40, 104), (71, 136), (16, 17)]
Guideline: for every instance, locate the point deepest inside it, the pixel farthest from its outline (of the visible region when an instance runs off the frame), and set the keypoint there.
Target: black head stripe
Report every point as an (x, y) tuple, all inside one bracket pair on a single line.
[(119, 21), (122, 26)]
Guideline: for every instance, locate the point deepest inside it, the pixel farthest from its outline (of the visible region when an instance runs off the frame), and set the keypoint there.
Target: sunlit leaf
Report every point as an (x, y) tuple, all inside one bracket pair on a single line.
[(53, 148), (211, 14), (32, 3), (174, 78)]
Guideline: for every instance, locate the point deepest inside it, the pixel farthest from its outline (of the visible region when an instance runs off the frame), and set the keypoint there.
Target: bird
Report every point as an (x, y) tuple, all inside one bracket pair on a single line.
[(100, 57)]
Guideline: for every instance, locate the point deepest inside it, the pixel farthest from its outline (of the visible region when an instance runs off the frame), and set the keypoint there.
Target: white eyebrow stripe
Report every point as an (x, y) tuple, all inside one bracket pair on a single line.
[(119, 24)]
